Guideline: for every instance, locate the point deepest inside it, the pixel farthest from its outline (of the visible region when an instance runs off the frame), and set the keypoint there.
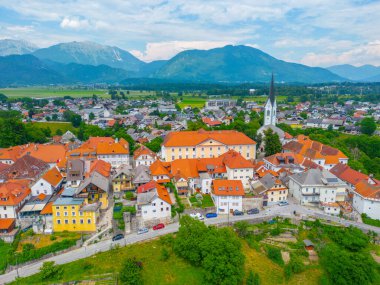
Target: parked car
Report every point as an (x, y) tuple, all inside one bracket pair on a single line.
[(253, 211), (158, 227), (197, 216), (283, 203), (142, 231), (211, 215), (117, 237), (238, 213)]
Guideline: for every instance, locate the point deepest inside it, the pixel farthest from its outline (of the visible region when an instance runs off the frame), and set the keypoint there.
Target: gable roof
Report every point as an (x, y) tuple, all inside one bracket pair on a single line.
[(111, 148), (53, 176), (100, 166), (233, 159), (222, 187), (193, 138), (148, 191), (26, 167), (92, 142), (159, 168), (49, 153), (13, 192), (143, 150), (367, 190), (346, 173), (186, 168)]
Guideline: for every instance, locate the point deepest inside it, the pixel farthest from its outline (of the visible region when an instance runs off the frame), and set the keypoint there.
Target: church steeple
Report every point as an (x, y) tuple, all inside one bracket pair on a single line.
[(271, 91), (270, 106)]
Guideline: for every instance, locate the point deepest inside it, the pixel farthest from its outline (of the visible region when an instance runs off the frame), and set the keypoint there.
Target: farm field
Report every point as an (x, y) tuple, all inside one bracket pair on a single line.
[(46, 92), (54, 126)]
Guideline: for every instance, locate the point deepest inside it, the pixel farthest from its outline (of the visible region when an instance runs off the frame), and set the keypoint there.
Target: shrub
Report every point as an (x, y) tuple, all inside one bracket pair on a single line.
[(274, 254), (53, 237), (164, 254), (131, 272), (295, 266), (49, 271), (129, 195), (253, 278)]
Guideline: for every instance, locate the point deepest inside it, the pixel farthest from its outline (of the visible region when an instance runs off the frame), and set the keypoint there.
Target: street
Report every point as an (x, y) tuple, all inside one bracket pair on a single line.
[(89, 250)]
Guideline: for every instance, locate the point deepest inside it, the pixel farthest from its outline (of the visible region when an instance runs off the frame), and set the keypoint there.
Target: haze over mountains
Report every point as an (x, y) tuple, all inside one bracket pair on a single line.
[(88, 62)]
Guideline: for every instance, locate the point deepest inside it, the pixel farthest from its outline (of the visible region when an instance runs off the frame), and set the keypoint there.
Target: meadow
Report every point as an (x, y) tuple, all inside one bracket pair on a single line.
[(54, 126)]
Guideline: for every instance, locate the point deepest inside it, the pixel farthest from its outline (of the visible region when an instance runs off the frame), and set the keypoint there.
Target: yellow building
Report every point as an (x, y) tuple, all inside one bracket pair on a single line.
[(74, 215), (271, 189), (122, 180), (206, 144)]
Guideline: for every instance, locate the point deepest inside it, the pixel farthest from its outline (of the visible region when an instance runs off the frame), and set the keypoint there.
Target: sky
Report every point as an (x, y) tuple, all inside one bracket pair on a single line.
[(312, 32)]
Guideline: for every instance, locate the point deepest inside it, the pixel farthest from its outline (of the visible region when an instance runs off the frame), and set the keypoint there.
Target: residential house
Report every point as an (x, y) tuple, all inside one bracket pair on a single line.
[(271, 188), (114, 153), (160, 171), (153, 202), (317, 187), (227, 195), (141, 175), (122, 180), (48, 183), (237, 167), (144, 156), (366, 199)]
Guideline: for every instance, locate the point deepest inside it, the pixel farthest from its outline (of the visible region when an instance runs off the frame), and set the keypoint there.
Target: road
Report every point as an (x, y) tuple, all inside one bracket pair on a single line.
[(92, 249)]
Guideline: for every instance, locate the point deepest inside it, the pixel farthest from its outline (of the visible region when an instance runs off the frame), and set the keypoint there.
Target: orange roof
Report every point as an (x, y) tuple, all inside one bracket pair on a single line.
[(41, 197), (12, 153), (367, 190), (193, 138), (13, 192), (159, 168), (92, 142), (211, 122), (143, 150), (100, 166), (5, 224), (48, 209), (111, 148), (222, 187), (346, 173), (186, 168), (233, 159), (49, 153), (214, 165), (146, 187), (286, 156), (264, 172), (53, 176), (163, 193), (288, 136)]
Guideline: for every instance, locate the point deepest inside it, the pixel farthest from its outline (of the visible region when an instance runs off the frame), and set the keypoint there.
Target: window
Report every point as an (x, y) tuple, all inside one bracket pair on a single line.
[(58, 214), (88, 221), (65, 214), (57, 208), (81, 221), (167, 208), (74, 221), (58, 222), (66, 222), (162, 209), (65, 208)]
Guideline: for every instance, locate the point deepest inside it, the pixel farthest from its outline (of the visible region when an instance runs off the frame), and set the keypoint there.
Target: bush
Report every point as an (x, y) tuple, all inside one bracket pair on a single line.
[(253, 279), (367, 220), (276, 231), (129, 195), (294, 266), (49, 271), (53, 237), (274, 254), (131, 272), (164, 254)]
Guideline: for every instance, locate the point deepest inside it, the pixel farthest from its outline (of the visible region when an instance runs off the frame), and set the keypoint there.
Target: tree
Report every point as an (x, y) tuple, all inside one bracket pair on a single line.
[(272, 142), (303, 115), (368, 126), (49, 270), (91, 116), (58, 132), (131, 272), (121, 133), (155, 144)]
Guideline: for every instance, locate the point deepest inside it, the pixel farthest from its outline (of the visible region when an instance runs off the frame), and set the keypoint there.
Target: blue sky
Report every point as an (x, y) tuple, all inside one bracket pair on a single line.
[(317, 33)]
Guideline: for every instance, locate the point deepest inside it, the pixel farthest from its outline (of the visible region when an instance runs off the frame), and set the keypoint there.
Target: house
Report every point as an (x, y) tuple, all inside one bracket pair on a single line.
[(210, 122), (122, 180), (114, 153), (185, 175), (74, 215), (141, 175), (153, 202), (75, 172), (11, 154), (271, 188), (49, 183), (351, 176), (237, 167), (366, 199), (13, 195), (317, 187), (292, 162), (227, 195), (206, 144), (144, 156), (323, 155), (160, 171)]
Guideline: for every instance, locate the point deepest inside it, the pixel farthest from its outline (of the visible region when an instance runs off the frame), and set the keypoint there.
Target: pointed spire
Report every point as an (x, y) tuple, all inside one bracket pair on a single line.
[(271, 91)]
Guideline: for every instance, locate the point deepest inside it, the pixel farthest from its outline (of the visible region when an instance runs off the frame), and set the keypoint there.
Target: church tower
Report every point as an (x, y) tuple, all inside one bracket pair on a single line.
[(270, 107)]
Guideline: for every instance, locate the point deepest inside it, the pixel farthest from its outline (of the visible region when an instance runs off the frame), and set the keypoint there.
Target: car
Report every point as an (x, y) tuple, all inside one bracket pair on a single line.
[(238, 213), (253, 211), (197, 216), (283, 203), (211, 215), (118, 237), (158, 227), (142, 231)]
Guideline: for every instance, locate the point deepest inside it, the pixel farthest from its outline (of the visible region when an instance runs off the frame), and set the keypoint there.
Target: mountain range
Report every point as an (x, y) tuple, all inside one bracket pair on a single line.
[(88, 62), (367, 72)]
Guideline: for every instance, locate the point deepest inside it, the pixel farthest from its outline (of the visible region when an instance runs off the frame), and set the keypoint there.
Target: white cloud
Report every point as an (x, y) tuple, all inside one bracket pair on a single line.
[(359, 55), (20, 29), (74, 23), (166, 50)]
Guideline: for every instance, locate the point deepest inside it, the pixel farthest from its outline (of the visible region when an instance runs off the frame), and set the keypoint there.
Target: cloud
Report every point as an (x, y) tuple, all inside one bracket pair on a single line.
[(22, 29), (166, 50), (367, 53), (74, 23)]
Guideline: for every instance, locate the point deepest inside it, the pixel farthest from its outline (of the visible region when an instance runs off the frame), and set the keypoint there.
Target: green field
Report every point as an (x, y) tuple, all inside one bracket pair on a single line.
[(194, 102), (173, 271), (54, 126), (46, 92)]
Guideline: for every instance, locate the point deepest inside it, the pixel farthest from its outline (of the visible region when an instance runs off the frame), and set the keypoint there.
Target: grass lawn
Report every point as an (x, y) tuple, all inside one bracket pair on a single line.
[(194, 102), (44, 92), (54, 126), (5, 248), (40, 240), (206, 201)]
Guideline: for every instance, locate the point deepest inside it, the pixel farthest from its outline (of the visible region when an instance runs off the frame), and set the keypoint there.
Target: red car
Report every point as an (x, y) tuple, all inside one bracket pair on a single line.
[(158, 227)]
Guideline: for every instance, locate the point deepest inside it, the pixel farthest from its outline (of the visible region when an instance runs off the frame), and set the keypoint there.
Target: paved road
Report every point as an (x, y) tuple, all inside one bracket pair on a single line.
[(134, 238)]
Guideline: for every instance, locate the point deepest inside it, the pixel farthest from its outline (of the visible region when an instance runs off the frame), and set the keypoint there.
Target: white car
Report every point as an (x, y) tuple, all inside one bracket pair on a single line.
[(197, 216)]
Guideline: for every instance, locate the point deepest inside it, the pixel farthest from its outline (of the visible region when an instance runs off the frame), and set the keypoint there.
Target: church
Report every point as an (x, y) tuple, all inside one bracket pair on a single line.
[(270, 111)]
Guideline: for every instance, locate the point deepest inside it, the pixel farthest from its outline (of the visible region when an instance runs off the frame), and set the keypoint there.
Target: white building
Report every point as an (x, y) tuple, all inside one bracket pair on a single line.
[(227, 195), (144, 156), (367, 199), (153, 202), (48, 183), (116, 154), (317, 187)]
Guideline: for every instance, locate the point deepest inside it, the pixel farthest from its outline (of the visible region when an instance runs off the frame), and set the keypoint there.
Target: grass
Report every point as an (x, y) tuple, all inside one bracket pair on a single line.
[(172, 271), (40, 240), (206, 201), (194, 102), (46, 92), (54, 126), (367, 220), (5, 248)]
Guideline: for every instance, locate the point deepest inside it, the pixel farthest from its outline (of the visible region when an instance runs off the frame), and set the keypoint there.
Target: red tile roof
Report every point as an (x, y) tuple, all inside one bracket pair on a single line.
[(222, 187), (13, 192), (233, 159), (5, 224), (367, 190), (346, 173)]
